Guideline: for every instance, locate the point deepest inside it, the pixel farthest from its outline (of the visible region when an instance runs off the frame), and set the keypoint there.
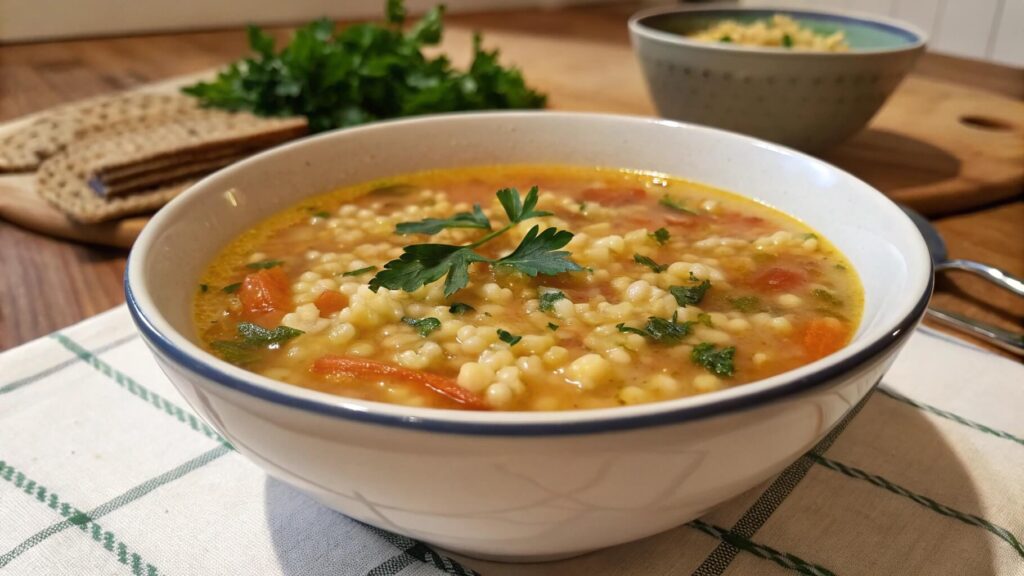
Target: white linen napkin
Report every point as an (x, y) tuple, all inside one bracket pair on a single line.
[(105, 470)]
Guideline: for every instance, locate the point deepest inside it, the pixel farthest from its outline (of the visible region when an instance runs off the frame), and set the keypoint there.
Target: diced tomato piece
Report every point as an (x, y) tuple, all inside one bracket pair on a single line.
[(330, 301), (362, 368), (777, 279), (614, 196), (265, 291), (823, 336)]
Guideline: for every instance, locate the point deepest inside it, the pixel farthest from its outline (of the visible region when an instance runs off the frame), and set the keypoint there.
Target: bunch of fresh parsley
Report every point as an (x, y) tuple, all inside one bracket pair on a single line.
[(363, 73), (421, 264)]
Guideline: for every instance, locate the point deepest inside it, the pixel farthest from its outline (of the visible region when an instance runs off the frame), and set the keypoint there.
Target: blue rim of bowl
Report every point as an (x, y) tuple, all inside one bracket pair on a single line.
[(210, 371), (915, 37)]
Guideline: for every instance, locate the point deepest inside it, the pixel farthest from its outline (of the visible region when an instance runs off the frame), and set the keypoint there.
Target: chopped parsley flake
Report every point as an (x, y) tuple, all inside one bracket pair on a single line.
[(552, 326), (661, 330), (674, 204), (460, 308), (252, 337), (705, 319), (826, 296), (645, 261), (746, 303), (548, 299), (718, 362), (423, 325), (204, 288), (508, 338), (264, 264), (231, 288), (690, 295), (660, 236)]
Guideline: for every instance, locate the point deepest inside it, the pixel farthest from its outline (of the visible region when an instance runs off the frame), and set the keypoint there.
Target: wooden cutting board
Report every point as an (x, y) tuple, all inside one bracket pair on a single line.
[(935, 146)]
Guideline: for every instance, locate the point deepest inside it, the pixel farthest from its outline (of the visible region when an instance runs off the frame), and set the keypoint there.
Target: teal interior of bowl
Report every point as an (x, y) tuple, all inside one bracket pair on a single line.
[(860, 34)]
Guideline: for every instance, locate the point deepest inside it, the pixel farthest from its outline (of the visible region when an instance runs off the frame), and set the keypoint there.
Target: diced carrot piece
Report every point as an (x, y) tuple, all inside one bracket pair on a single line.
[(778, 279), (614, 196), (265, 291), (362, 368), (823, 336), (330, 301)]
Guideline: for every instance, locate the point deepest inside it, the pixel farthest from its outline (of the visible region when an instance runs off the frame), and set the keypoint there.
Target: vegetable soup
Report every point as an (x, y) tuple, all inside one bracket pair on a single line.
[(527, 288)]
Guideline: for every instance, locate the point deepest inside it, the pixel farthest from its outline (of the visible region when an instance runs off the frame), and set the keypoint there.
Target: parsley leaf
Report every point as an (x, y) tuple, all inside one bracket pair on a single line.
[(264, 264), (359, 271), (519, 210), (258, 335), (539, 254), (548, 299), (746, 303), (363, 73), (677, 205), (553, 327), (705, 319), (475, 219), (787, 40), (460, 308), (719, 363), (424, 325), (235, 352), (660, 236), (508, 338), (690, 295), (645, 261), (826, 296), (660, 330), (204, 288), (421, 264), (231, 288)]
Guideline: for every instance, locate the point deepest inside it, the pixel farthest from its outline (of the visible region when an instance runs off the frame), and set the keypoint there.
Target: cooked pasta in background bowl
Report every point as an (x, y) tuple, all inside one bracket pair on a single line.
[(525, 336), (804, 78)]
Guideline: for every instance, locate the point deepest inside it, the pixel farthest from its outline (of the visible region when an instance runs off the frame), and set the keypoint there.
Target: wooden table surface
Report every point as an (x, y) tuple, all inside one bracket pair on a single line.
[(46, 284)]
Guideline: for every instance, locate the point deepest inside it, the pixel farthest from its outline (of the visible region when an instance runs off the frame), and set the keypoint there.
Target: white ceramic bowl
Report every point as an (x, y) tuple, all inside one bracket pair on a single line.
[(527, 485), (807, 100)]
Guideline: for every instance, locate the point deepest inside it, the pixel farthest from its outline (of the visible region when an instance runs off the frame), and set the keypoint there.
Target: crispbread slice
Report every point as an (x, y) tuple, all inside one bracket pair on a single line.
[(64, 179), (24, 148), (169, 173)]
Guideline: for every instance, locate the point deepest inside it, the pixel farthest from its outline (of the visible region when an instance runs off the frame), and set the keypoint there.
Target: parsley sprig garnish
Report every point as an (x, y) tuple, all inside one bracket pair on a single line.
[(537, 253), (423, 325), (718, 362), (251, 338)]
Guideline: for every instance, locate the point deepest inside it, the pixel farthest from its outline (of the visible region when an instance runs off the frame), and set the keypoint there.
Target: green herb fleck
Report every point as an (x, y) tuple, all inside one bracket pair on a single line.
[(548, 299), (645, 261), (235, 352), (264, 264), (553, 327), (809, 236), (690, 295), (746, 303), (705, 319), (661, 330), (258, 335), (363, 73), (674, 204), (460, 308), (359, 271), (510, 339), (537, 253), (839, 267), (725, 39), (787, 41), (583, 206), (826, 296), (718, 362), (423, 325), (204, 288), (660, 236), (231, 288), (322, 214)]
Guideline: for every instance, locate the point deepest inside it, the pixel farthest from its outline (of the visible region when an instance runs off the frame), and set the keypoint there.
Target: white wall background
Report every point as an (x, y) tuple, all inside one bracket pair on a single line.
[(984, 29)]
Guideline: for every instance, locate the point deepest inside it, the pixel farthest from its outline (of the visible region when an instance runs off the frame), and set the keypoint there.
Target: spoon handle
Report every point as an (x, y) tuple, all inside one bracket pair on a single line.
[(994, 275), (1003, 338)]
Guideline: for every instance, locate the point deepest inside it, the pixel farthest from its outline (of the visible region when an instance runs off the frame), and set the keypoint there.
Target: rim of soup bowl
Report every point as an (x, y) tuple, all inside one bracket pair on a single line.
[(638, 27), (168, 341)]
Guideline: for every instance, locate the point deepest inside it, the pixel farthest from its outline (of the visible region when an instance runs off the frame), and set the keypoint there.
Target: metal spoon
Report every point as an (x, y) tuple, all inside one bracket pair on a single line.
[(940, 258)]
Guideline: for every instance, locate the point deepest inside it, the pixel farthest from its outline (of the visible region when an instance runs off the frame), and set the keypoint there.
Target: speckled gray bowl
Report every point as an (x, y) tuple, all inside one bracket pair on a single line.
[(806, 100)]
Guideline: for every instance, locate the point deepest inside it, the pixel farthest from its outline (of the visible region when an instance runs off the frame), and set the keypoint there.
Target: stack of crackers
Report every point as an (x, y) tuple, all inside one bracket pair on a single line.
[(118, 156)]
